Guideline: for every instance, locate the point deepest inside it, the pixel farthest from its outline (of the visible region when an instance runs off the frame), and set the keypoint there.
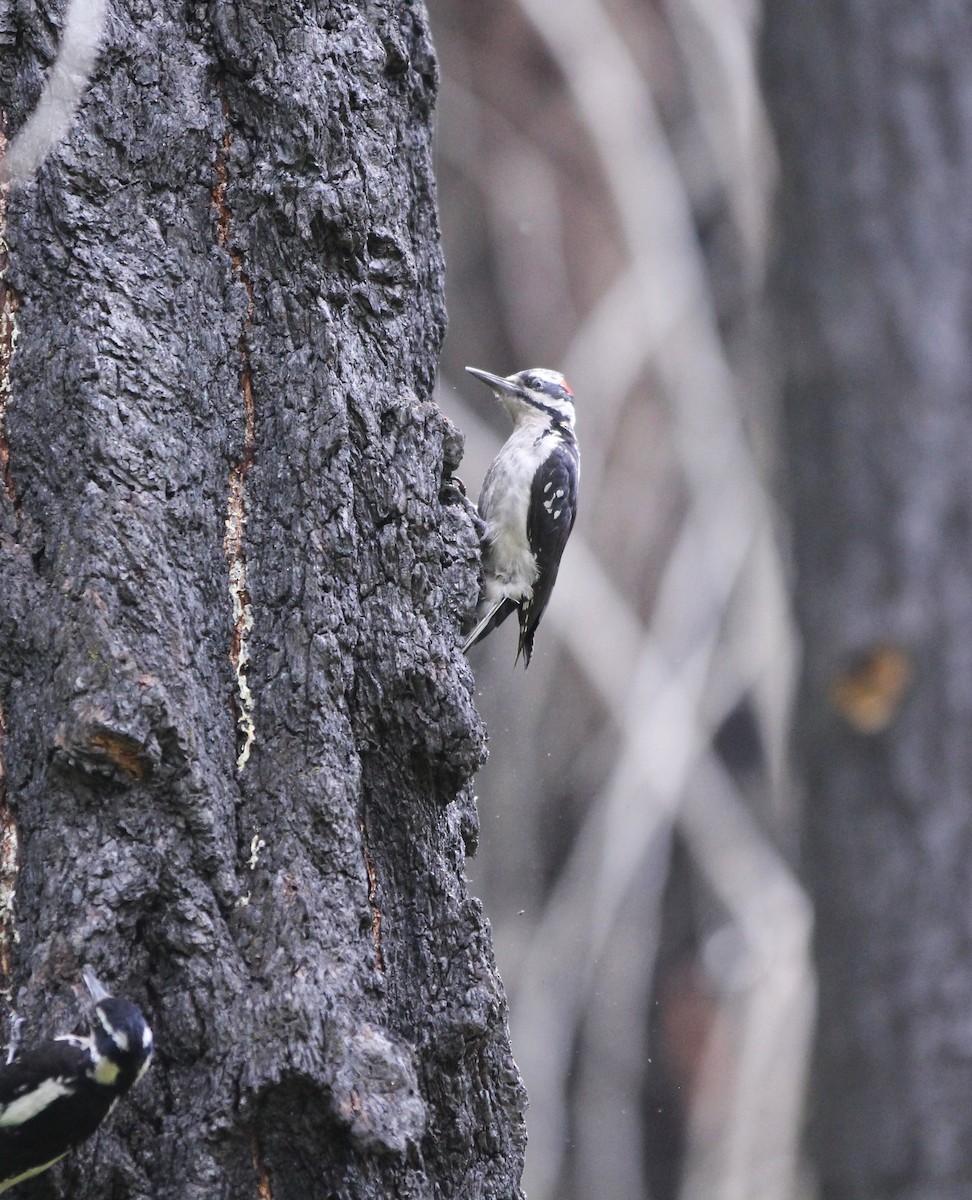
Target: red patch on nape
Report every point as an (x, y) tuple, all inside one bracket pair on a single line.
[(567, 389)]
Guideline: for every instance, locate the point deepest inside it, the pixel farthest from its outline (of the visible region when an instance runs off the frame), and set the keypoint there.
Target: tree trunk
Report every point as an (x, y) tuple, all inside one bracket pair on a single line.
[(238, 736), (875, 129)]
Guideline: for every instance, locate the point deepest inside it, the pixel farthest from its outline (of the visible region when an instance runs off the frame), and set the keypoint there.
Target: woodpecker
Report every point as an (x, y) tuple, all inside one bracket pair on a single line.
[(55, 1095), (528, 502)]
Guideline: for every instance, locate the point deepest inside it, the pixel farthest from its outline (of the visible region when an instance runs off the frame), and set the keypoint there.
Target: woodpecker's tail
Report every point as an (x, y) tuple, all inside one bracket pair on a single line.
[(493, 616), (525, 645)]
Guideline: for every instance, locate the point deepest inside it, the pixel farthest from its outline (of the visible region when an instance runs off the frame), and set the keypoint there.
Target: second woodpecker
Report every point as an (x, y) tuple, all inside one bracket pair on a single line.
[(528, 501), (55, 1095)]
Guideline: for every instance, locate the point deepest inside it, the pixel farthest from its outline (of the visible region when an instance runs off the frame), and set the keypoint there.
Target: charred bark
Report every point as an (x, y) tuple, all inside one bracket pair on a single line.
[(237, 734), (871, 107)]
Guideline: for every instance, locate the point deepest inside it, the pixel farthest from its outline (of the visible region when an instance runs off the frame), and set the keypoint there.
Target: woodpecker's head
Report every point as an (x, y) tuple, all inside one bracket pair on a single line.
[(122, 1044), (534, 392)]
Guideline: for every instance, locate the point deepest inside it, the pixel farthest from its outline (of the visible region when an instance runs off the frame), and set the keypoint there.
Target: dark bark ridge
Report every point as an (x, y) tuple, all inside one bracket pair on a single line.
[(249, 812)]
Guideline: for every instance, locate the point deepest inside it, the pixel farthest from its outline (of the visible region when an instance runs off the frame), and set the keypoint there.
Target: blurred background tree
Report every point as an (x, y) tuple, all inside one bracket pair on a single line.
[(610, 188), (873, 115)]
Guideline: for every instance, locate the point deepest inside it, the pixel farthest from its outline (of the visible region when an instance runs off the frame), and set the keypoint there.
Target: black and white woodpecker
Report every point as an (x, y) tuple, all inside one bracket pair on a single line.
[(55, 1095), (528, 502)]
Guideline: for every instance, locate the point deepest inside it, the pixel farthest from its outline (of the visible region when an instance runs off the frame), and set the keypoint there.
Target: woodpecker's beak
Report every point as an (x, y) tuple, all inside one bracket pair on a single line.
[(94, 985), (496, 382)]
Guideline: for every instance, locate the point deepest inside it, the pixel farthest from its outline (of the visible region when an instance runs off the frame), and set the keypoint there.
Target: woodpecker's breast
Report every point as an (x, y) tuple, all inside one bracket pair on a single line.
[(510, 565)]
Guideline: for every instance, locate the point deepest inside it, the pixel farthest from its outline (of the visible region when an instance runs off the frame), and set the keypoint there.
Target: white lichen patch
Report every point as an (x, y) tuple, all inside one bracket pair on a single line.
[(8, 883), (9, 860), (256, 845), (8, 311), (242, 617), (8, 331)]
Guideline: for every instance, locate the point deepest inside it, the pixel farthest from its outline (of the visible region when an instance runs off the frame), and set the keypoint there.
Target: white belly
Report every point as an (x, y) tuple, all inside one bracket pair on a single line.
[(510, 567)]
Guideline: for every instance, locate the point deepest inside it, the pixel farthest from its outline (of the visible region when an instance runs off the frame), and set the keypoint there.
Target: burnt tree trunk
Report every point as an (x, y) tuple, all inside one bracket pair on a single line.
[(237, 733), (871, 104)]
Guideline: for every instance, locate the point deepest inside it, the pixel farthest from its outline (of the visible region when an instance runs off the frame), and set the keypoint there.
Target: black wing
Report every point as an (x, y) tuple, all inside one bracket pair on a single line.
[(53, 1113), (553, 509), (60, 1058)]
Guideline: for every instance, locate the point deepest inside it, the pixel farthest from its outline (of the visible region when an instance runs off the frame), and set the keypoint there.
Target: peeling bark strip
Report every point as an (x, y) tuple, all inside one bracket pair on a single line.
[(8, 894), (8, 874), (372, 898), (8, 827), (236, 501), (8, 343), (8, 328), (264, 1190)]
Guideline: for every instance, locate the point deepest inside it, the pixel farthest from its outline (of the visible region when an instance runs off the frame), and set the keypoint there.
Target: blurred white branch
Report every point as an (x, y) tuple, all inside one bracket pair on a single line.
[(745, 1128), (717, 39), (66, 80)]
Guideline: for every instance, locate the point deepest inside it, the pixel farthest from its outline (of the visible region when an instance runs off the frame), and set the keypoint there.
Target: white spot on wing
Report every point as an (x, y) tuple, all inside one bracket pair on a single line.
[(33, 1102), (72, 1039)]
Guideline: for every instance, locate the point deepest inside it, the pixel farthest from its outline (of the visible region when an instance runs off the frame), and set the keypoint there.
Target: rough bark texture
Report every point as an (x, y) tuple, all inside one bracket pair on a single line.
[(238, 734), (875, 126)]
